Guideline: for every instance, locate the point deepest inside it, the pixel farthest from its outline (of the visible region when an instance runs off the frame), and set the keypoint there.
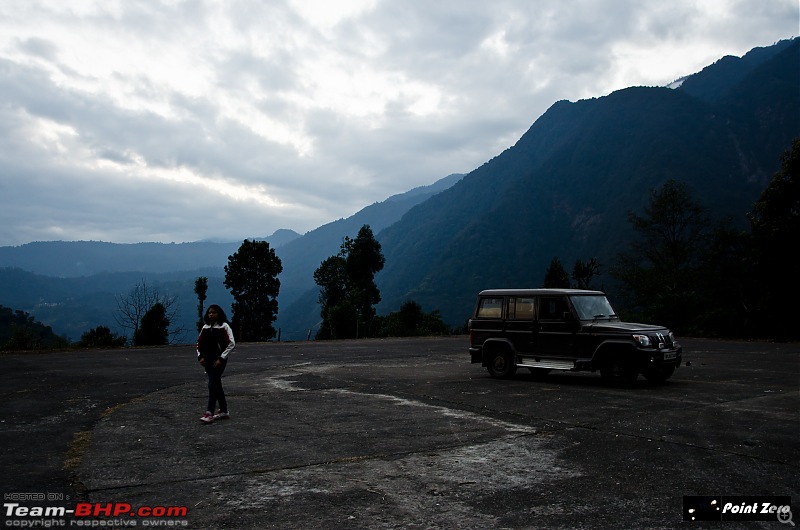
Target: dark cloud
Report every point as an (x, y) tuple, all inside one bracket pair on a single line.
[(177, 121)]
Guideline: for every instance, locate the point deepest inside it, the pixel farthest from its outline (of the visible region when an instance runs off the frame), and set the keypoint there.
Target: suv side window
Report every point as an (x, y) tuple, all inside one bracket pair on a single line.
[(490, 308), (553, 308), (520, 308)]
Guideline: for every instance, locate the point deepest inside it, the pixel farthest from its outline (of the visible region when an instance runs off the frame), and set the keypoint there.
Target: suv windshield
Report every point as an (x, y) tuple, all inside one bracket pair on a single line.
[(592, 307)]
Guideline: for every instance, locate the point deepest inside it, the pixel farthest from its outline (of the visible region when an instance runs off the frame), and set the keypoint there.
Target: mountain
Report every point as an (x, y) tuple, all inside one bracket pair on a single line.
[(567, 185), (564, 189), (85, 258), (301, 257), (715, 81), (281, 237), (72, 286), (74, 305)]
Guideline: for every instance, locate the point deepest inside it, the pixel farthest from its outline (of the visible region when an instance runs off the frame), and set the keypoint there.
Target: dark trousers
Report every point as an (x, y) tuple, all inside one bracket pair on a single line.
[(215, 391)]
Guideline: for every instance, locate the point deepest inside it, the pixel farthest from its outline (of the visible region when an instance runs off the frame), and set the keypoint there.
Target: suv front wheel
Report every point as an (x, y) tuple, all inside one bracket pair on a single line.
[(618, 370), (660, 374), (501, 363)]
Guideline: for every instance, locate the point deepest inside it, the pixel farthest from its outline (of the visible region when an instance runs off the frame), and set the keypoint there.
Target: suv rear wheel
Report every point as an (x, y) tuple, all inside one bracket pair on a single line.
[(501, 363)]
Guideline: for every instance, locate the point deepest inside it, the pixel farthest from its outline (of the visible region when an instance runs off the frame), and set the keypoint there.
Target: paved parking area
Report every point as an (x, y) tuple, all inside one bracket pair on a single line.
[(400, 433)]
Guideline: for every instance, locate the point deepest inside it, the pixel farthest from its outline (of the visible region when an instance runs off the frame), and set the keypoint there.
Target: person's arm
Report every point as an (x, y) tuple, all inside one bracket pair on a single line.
[(197, 347), (231, 343)]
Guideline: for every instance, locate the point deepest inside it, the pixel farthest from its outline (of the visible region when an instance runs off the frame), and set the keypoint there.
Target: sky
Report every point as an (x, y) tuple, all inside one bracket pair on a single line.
[(172, 121)]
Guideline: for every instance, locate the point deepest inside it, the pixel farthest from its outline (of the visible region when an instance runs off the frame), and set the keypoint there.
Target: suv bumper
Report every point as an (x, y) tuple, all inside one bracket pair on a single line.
[(665, 357), (476, 354)]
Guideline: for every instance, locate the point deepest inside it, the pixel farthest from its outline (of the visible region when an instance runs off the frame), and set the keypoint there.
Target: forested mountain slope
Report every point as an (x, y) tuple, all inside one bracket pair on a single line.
[(566, 187)]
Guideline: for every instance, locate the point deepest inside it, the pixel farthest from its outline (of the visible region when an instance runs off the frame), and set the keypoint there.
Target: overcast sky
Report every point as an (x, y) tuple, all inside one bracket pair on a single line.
[(129, 121)]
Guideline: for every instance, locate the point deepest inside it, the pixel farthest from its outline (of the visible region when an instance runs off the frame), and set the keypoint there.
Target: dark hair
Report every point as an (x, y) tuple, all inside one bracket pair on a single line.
[(221, 316)]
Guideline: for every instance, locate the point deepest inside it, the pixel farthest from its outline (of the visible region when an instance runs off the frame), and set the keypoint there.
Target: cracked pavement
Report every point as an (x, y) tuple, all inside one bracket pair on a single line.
[(401, 433)]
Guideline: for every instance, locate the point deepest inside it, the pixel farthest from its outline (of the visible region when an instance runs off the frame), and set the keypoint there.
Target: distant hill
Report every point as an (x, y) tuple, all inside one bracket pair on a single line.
[(74, 305), (65, 259), (19, 331), (303, 255), (72, 285)]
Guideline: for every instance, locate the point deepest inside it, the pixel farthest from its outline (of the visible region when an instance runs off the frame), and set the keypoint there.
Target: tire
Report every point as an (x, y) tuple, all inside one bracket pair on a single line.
[(617, 370), (501, 364), (660, 374)]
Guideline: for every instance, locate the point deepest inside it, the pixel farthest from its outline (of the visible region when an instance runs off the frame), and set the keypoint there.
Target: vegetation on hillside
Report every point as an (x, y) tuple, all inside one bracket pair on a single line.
[(679, 269), (600, 177), (20, 331)]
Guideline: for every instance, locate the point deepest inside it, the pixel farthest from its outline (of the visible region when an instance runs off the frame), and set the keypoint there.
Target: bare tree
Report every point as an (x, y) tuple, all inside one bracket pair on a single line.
[(139, 300)]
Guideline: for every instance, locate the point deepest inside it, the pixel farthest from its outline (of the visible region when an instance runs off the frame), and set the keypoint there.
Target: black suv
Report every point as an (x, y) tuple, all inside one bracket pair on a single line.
[(566, 329)]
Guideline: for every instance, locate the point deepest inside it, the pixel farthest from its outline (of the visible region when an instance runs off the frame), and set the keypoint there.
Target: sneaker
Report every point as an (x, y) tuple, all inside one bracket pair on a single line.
[(207, 417), (221, 415)]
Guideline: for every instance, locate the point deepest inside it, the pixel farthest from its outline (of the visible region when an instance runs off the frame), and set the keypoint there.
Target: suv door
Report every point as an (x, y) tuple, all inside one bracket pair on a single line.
[(488, 319), (519, 323), (556, 328)]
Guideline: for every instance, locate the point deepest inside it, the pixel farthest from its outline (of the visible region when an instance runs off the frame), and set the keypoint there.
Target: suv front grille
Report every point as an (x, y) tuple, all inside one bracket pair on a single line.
[(663, 341)]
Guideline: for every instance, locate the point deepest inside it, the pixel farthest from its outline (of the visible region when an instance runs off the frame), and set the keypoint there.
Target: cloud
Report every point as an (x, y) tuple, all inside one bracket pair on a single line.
[(176, 121)]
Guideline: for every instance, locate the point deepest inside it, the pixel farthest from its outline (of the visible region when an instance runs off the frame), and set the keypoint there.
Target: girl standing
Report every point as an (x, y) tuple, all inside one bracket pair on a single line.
[(214, 344)]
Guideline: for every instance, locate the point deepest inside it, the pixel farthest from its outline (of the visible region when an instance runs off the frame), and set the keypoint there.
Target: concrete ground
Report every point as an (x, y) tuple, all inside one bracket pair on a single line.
[(399, 433)]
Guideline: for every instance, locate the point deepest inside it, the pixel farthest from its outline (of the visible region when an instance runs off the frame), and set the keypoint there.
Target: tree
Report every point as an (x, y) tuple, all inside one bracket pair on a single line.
[(252, 277), (660, 272), (584, 272), (200, 289), (332, 280), (348, 292), (154, 329), (101, 337), (725, 284), (132, 307), (556, 276), (364, 260), (775, 226), (411, 321), (20, 331)]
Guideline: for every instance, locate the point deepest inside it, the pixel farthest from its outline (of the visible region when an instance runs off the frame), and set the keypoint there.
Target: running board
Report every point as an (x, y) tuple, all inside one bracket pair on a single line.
[(549, 364)]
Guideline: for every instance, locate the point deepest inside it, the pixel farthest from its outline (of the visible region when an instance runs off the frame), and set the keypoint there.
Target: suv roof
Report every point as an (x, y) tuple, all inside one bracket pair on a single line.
[(535, 292)]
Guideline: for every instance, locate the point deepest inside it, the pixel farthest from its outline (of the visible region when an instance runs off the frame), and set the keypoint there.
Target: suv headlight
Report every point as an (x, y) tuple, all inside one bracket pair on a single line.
[(643, 340)]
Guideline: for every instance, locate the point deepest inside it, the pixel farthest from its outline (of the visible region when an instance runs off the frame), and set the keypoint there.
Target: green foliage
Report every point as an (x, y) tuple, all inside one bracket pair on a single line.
[(584, 272), (141, 300), (20, 331), (556, 276), (348, 292), (101, 337), (252, 277), (154, 328), (364, 260), (718, 280), (725, 285), (331, 276), (410, 321), (201, 290), (775, 227), (340, 322), (660, 273)]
